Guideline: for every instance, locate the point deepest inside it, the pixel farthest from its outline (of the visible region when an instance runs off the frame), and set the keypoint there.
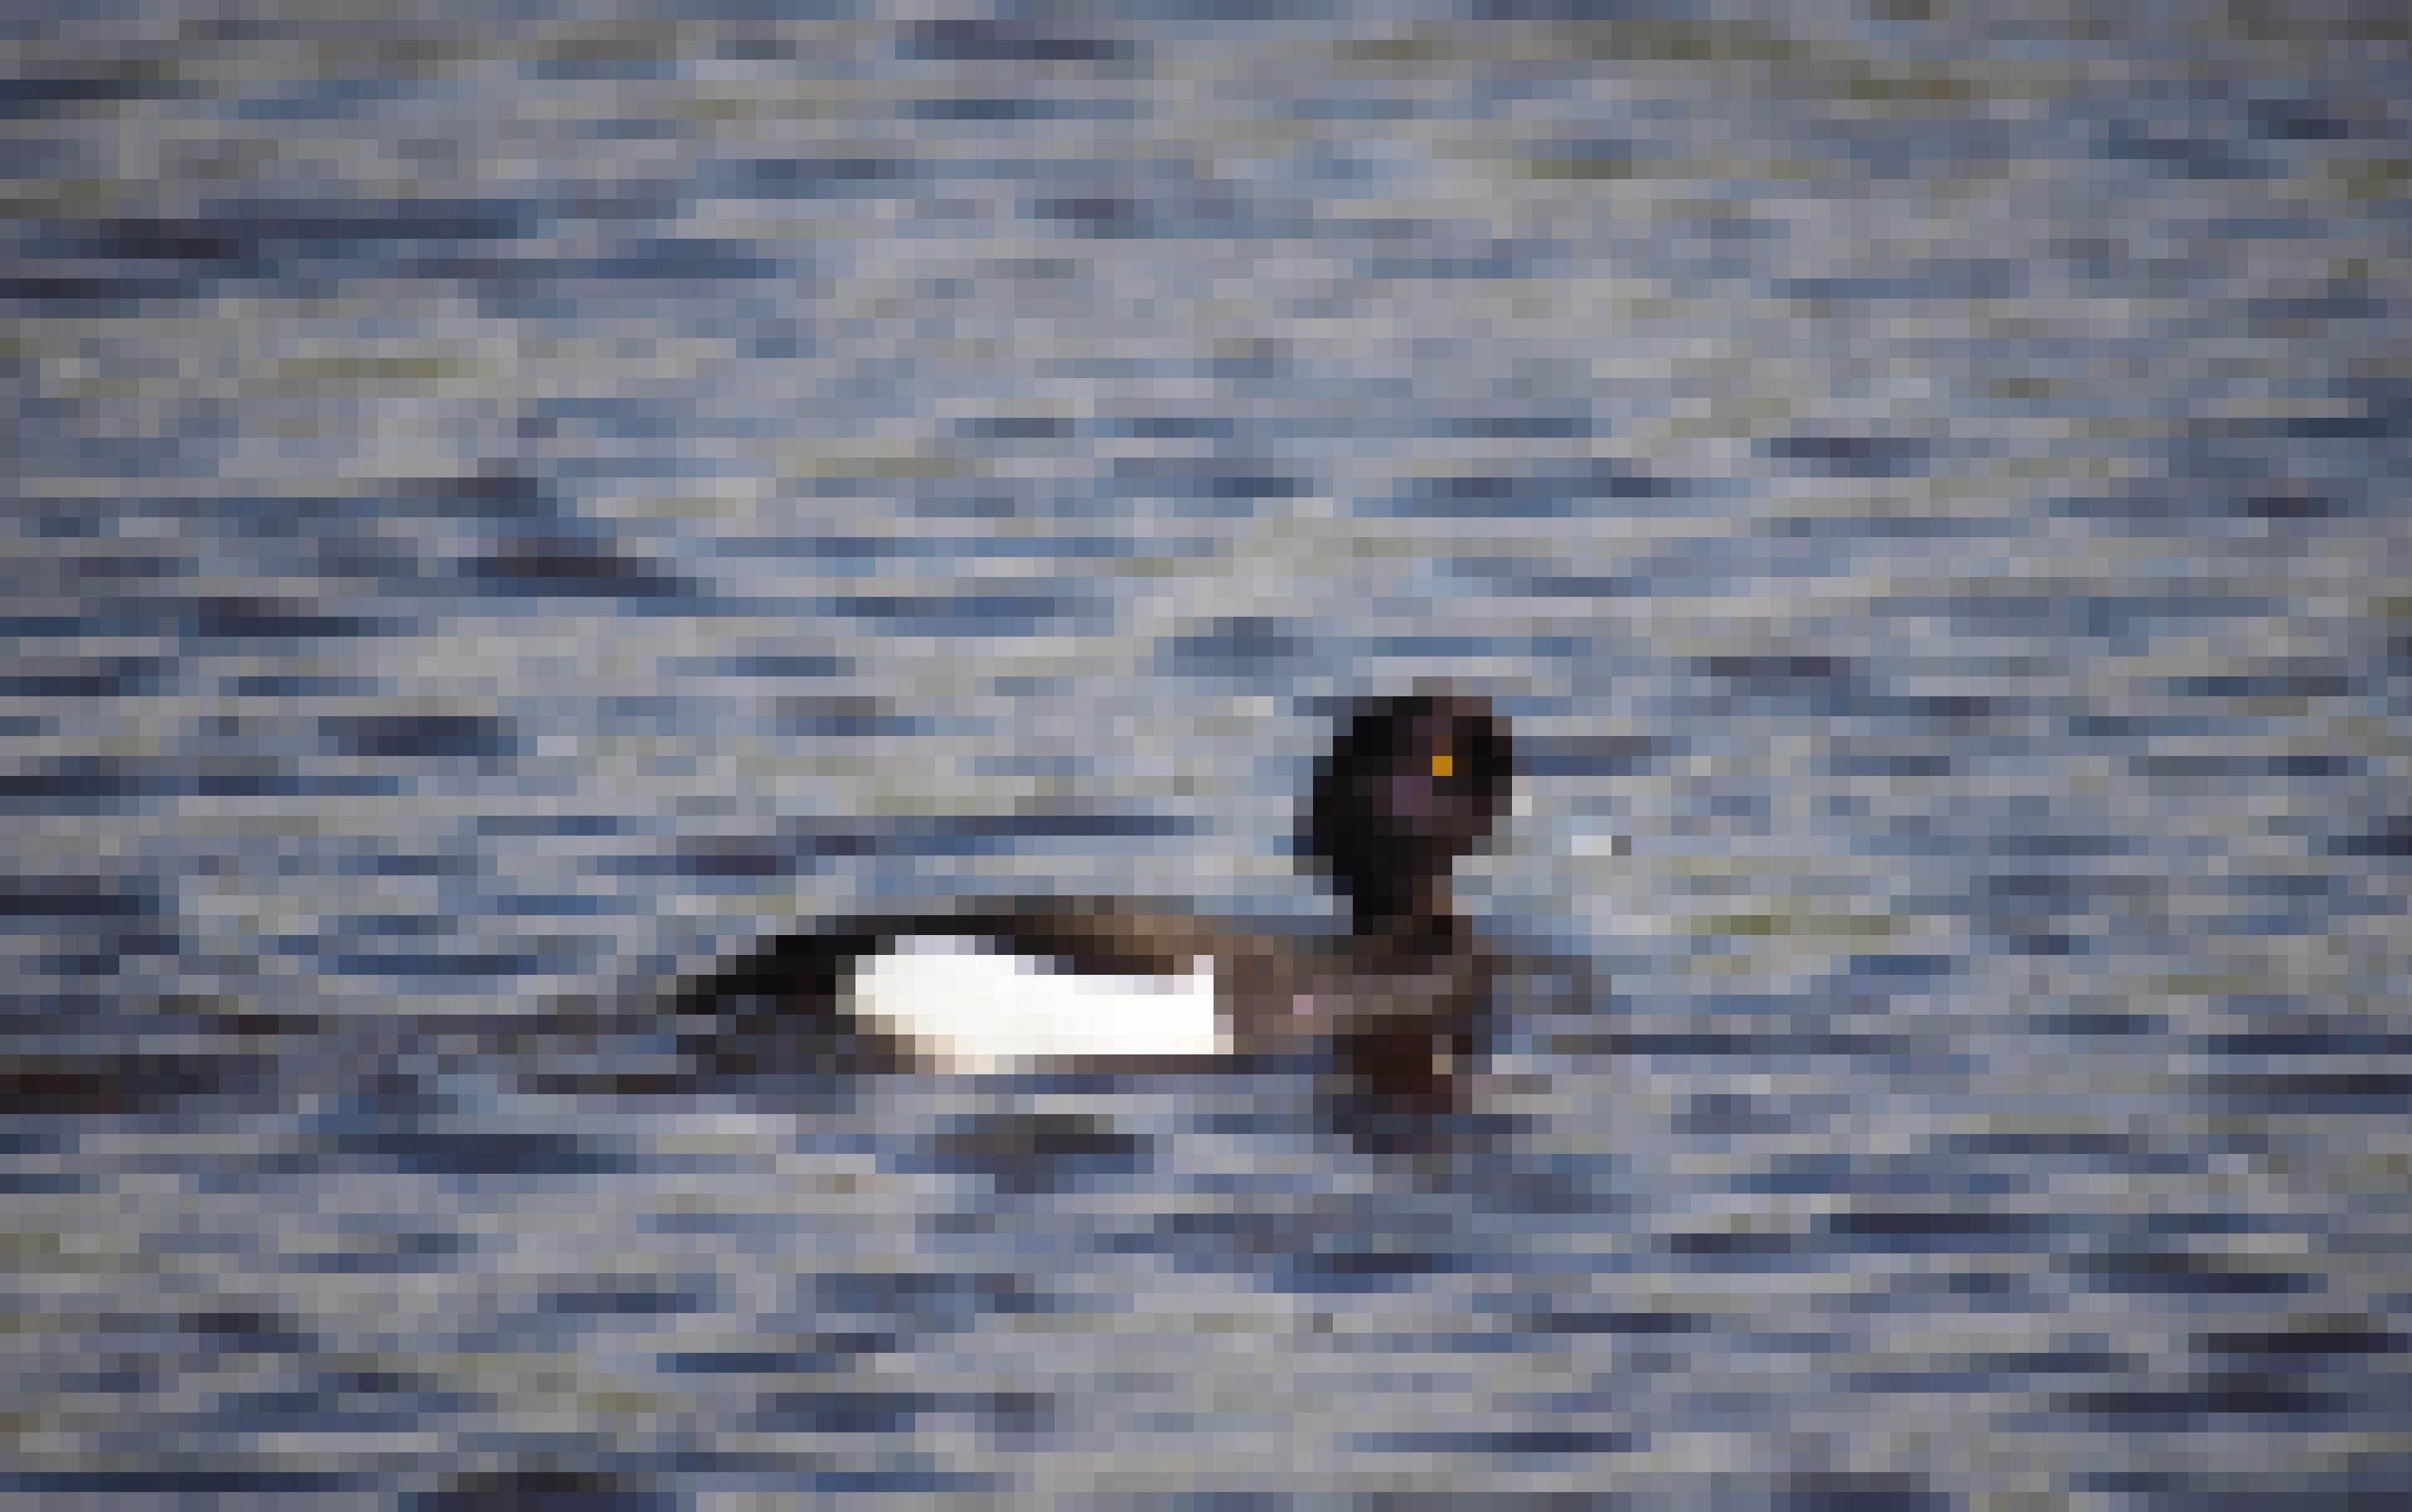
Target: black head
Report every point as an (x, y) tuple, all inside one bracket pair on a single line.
[(1410, 784)]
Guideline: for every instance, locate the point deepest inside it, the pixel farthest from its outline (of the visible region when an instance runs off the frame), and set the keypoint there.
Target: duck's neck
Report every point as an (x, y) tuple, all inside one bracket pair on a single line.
[(1408, 916)]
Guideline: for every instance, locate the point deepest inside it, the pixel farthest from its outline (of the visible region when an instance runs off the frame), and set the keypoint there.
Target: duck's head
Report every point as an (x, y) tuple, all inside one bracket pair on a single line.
[(1411, 784)]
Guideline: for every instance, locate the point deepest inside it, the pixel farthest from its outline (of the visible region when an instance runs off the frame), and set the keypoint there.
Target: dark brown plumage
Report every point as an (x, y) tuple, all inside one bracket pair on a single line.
[(1411, 784)]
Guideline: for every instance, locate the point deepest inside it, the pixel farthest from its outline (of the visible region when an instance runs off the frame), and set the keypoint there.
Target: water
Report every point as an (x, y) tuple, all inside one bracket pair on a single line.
[(504, 514)]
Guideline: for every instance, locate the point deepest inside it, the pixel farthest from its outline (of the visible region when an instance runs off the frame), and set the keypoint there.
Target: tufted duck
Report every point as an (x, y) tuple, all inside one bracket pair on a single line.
[(1411, 784)]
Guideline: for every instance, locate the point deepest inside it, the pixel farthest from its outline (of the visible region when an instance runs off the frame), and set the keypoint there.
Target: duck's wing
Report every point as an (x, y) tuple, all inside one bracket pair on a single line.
[(789, 1004), (784, 1005), (789, 1001), (1100, 936)]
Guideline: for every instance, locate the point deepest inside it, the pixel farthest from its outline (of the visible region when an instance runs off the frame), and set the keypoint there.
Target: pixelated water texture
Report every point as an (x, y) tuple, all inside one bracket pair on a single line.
[(506, 504)]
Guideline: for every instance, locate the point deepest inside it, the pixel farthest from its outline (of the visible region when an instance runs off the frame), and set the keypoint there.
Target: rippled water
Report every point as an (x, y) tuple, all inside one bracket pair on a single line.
[(509, 507)]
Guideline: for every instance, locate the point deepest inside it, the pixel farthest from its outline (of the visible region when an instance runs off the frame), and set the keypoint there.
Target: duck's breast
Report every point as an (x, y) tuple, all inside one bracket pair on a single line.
[(968, 1003)]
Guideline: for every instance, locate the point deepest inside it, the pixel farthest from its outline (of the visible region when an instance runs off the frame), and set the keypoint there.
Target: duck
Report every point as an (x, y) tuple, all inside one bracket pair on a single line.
[(1396, 1003)]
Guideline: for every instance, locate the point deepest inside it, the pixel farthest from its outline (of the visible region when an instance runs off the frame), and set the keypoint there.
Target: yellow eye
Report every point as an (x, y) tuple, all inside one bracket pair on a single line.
[(1443, 764)]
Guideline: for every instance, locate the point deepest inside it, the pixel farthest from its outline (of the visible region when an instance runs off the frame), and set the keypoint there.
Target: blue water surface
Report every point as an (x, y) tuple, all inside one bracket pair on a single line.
[(507, 508)]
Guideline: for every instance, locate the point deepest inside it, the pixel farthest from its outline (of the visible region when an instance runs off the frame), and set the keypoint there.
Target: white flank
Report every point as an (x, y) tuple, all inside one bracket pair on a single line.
[(979, 1010)]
